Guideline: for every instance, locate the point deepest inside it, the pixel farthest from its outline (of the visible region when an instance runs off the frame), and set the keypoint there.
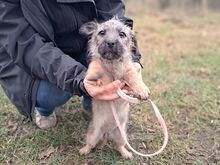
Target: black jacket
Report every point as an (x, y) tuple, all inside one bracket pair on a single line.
[(29, 51)]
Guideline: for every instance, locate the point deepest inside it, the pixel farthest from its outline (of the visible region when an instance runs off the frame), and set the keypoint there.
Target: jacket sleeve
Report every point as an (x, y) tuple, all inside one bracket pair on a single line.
[(36, 55), (110, 8)]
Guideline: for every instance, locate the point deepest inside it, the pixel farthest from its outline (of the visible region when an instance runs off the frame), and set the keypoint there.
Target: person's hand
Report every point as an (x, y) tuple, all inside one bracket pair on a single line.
[(104, 92)]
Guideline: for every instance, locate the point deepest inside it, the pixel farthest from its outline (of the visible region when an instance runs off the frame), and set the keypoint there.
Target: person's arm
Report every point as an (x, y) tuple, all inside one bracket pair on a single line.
[(108, 9), (30, 51)]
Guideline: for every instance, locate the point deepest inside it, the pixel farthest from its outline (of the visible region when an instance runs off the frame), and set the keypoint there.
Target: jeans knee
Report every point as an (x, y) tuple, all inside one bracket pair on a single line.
[(49, 96)]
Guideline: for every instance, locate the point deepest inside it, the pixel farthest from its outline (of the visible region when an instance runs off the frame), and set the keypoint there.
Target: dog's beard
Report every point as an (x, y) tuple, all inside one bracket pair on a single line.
[(113, 53), (110, 56)]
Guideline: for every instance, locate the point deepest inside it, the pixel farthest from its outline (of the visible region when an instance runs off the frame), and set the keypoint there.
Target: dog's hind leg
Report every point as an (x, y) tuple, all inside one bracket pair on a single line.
[(120, 142), (93, 137)]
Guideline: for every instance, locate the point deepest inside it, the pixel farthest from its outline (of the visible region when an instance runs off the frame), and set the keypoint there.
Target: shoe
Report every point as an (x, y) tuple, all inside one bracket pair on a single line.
[(46, 122)]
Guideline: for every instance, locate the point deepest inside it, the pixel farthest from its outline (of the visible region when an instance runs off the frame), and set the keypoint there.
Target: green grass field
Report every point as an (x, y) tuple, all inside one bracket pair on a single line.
[(181, 58)]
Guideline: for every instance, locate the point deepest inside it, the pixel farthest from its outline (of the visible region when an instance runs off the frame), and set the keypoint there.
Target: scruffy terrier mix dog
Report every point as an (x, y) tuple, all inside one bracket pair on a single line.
[(111, 45)]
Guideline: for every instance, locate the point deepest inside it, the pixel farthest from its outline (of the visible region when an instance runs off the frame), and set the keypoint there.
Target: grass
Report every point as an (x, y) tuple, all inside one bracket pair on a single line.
[(181, 60)]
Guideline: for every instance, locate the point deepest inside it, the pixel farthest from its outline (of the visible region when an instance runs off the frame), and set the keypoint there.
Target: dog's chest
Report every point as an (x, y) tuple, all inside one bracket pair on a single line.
[(115, 70)]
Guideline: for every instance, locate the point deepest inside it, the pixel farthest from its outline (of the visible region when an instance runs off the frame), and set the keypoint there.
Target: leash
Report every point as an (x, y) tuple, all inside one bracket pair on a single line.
[(158, 115)]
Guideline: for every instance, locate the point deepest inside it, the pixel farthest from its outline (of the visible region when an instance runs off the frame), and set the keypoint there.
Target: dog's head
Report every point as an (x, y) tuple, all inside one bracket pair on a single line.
[(111, 40)]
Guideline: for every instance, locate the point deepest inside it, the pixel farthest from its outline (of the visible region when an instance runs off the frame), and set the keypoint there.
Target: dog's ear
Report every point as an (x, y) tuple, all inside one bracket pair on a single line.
[(88, 28)]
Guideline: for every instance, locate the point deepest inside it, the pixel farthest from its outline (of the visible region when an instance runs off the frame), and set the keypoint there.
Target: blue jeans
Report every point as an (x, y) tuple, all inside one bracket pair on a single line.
[(49, 97)]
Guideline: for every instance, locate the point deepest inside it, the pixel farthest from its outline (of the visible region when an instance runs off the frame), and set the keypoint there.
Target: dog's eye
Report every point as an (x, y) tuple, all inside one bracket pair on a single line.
[(122, 34), (101, 33)]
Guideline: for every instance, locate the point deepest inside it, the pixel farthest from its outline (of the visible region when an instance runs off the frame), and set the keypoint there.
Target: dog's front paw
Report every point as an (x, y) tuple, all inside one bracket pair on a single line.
[(85, 150), (141, 92)]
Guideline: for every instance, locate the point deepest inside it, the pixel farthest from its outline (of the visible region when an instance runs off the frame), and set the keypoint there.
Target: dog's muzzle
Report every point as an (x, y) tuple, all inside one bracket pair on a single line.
[(111, 50)]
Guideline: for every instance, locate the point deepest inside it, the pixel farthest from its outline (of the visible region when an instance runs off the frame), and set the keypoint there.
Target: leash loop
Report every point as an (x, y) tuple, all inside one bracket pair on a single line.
[(158, 115)]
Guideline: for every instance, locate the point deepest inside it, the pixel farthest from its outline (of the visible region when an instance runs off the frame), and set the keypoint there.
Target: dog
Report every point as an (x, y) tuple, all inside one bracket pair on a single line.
[(111, 46)]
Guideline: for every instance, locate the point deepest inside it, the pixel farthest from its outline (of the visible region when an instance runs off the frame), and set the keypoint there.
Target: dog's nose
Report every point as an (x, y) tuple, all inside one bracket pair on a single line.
[(111, 44)]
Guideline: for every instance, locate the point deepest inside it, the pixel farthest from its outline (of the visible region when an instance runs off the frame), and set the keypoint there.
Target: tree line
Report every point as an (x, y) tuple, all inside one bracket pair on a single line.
[(203, 5)]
